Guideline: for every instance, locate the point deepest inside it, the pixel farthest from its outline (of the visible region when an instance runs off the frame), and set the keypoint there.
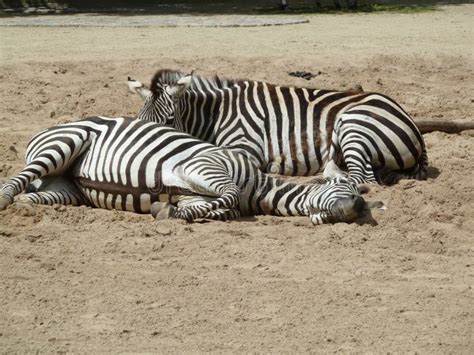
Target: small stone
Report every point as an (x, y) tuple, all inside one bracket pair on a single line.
[(33, 237), (52, 114)]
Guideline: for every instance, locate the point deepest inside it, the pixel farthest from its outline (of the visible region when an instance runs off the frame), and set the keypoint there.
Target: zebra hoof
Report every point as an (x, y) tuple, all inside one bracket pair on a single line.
[(162, 210), (4, 202), (25, 200)]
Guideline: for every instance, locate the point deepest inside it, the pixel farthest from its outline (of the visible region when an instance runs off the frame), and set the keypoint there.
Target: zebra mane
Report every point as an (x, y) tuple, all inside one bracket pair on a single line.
[(171, 77)]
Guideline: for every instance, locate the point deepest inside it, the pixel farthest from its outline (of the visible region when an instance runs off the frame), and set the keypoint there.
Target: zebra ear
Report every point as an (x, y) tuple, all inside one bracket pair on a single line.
[(137, 87), (185, 81), (375, 204), (180, 87)]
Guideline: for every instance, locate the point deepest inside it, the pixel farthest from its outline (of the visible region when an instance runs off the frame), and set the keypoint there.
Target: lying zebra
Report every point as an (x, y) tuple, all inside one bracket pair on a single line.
[(289, 130), (295, 131), (133, 165)]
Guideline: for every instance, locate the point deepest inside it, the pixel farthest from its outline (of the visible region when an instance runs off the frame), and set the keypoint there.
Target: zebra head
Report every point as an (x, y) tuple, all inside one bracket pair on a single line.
[(160, 101), (339, 200)]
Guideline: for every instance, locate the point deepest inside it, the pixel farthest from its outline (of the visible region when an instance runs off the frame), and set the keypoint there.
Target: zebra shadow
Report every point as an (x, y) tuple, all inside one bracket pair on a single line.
[(433, 172), (241, 219)]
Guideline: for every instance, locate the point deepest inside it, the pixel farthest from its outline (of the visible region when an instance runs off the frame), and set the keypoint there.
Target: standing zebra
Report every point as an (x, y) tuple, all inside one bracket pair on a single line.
[(288, 130), (139, 166)]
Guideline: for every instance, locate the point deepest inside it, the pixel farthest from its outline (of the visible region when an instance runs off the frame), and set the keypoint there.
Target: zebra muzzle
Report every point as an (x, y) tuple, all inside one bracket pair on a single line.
[(350, 208), (346, 210)]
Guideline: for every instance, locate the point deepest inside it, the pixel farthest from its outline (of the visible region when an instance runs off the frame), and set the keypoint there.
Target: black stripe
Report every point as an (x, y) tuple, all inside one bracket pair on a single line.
[(392, 126), (392, 147), (303, 120), (400, 113)]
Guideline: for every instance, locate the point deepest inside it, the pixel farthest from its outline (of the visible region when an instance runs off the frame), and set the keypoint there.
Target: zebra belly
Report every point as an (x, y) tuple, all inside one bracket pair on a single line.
[(106, 195)]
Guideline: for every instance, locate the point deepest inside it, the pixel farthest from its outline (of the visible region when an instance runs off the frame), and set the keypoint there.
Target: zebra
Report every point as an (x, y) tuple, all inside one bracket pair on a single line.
[(290, 130), (139, 166)]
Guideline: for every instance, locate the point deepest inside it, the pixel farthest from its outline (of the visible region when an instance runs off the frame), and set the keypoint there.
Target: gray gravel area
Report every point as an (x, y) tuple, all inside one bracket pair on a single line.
[(92, 20)]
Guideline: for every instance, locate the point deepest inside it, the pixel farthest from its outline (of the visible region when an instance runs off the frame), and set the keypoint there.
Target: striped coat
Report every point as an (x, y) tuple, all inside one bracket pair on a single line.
[(289, 130), (138, 166)]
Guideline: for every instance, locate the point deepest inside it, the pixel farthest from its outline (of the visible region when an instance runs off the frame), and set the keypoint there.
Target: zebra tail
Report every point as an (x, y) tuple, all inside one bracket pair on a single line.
[(427, 126)]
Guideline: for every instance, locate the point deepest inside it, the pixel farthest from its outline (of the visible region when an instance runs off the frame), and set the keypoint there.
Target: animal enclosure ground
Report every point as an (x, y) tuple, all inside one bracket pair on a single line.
[(82, 279)]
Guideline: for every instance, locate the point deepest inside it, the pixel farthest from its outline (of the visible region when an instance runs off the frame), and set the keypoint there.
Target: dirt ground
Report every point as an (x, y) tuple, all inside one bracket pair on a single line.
[(82, 279)]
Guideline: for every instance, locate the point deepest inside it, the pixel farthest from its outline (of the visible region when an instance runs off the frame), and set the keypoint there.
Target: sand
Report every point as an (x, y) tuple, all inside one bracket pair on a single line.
[(89, 280)]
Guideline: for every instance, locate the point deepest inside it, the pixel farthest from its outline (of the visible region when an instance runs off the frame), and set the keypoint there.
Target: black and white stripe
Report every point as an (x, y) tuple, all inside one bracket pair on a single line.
[(126, 164), (289, 130)]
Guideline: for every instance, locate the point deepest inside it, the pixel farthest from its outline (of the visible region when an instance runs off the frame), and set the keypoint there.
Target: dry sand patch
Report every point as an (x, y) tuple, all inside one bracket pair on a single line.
[(81, 279)]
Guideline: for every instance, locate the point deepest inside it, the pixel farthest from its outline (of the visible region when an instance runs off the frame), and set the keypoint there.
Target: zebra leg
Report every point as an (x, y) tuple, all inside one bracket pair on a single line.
[(207, 176), (163, 210), (204, 176), (52, 158), (387, 176), (55, 190), (357, 157), (5, 201), (224, 215), (360, 170), (228, 199), (220, 214), (332, 171)]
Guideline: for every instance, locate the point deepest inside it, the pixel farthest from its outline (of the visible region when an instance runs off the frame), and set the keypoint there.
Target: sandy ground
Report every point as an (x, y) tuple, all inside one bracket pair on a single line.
[(81, 279)]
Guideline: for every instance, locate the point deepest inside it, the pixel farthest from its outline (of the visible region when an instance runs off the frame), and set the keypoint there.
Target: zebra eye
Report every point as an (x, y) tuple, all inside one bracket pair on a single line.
[(341, 180), (159, 89)]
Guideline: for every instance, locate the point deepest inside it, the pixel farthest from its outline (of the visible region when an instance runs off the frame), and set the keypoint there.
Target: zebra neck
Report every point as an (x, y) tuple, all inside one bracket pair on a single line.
[(197, 113), (282, 198)]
